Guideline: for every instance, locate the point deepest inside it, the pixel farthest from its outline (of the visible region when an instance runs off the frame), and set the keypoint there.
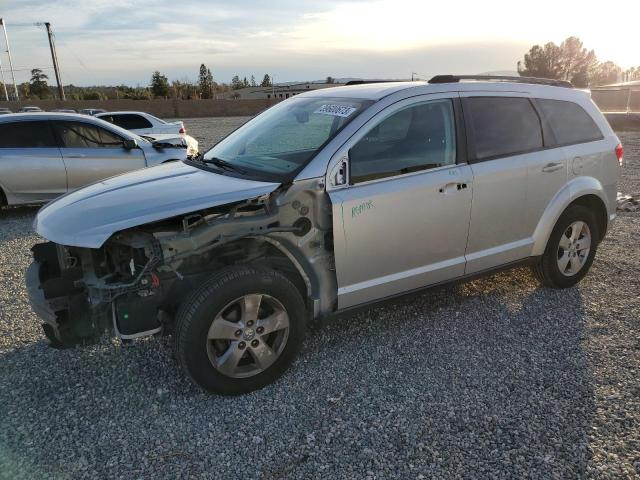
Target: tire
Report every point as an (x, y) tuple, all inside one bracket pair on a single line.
[(214, 330), (548, 270)]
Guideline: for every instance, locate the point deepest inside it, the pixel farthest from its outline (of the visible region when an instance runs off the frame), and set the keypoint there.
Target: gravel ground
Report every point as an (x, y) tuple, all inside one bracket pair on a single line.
[(497, 378)]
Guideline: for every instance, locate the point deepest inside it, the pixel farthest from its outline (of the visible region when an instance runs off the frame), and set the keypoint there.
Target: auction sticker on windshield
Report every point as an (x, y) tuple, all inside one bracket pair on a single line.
[(336, 110)]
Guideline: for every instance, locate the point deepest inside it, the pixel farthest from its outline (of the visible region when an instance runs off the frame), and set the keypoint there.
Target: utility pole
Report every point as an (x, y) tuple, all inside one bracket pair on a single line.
[(54, 57), (4, 84), (6, 38)]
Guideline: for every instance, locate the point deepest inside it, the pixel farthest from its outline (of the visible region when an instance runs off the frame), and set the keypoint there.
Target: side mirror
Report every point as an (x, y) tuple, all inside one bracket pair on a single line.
[(340, 172), (130, 143)]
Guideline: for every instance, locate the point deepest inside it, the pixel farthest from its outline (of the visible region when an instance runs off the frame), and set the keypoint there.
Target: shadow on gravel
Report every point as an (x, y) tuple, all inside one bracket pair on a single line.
[(470, 380)]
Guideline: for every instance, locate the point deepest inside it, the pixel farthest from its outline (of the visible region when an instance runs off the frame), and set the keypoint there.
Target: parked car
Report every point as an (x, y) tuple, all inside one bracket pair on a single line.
[(45, 155), (63, 110), (4, 111), (30, 109), (331, 200), (91, 111), (146, 124)]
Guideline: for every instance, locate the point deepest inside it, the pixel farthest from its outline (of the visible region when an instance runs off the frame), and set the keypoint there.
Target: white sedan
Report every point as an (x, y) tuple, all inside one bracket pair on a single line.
[(146, 125)]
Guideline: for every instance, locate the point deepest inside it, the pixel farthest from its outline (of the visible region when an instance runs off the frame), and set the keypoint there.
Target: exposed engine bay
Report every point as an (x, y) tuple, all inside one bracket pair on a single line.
[(133, 284)]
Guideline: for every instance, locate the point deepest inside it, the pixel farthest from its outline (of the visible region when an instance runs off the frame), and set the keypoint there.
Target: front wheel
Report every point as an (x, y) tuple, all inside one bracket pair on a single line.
[(570, 250), (240, 330)]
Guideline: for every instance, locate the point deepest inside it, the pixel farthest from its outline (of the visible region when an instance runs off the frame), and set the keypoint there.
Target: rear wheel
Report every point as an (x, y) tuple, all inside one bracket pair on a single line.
[(570, 250), (240, 330)]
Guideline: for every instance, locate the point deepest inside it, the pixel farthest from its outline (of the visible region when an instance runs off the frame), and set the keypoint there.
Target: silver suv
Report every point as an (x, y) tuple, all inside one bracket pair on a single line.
[(44, 155), (327, 201)]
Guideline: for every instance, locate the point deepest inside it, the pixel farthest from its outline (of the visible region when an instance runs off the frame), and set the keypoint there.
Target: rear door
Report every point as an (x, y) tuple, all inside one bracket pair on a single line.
[(31, 166), (402, 220), (506, 140), (577, 135), (92, 153)]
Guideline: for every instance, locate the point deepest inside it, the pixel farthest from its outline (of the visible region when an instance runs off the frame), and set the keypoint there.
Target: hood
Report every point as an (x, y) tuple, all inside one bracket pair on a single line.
[(89, 216)]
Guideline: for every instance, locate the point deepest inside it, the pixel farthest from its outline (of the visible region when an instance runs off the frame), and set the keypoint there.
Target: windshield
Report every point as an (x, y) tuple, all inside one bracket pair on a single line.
[(278, 143)]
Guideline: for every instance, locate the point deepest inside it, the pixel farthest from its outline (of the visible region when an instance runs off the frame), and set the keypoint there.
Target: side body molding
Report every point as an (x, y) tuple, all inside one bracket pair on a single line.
[(575, 188)]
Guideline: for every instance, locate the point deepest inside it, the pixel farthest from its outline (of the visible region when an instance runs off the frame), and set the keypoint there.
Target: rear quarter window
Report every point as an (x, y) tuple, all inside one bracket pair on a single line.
[(570, 123), (129, 122), (503, 126)]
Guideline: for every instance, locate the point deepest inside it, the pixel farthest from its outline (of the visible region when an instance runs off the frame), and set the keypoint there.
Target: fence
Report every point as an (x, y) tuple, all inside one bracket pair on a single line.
[(159, 108), (617, 99)]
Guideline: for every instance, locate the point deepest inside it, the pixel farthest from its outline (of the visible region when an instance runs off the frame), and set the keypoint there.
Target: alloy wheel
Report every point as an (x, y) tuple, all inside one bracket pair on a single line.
[(574, 247), (247, 336)]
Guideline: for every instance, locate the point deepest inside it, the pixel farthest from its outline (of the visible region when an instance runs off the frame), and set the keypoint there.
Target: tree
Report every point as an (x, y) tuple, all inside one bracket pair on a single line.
[(206, 84), (38, 86), (245, 82), (330, 80), (569, 61), (159, 85), (266, 81), (91, 96), (236, 83), (542, 62), (631, 74), (253, 81), (606, 73), (578, 64)]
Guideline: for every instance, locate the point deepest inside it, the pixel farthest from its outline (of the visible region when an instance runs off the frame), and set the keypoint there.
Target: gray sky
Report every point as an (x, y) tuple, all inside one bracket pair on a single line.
[(123, 41)]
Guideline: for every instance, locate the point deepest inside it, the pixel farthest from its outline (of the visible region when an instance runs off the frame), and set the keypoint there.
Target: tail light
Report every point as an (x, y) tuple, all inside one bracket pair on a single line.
[(620, 154), (184, 130)]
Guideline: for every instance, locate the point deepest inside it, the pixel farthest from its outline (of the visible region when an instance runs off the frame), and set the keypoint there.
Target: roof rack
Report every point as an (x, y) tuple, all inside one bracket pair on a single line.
[(365, 82), (501, 78)]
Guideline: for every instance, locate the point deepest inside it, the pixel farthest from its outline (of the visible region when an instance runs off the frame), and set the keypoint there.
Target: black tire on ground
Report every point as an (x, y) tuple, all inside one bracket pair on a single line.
[(546, 270), (53, 341), (198, 310), (3, 199)]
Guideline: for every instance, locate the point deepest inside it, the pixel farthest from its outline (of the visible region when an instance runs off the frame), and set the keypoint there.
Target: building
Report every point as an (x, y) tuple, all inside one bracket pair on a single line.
[(281, 91)]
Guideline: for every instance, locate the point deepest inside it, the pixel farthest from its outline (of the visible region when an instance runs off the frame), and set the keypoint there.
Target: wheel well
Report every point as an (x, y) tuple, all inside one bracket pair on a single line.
[(596, 205), (3, 198), (265, 255)]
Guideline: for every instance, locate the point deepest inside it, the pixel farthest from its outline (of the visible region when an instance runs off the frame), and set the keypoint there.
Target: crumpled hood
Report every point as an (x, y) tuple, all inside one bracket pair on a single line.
[(89, 216)]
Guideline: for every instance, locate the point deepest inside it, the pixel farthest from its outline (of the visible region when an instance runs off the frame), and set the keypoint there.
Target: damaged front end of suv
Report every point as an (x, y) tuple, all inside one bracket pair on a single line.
[(231, 251), (132, 284)]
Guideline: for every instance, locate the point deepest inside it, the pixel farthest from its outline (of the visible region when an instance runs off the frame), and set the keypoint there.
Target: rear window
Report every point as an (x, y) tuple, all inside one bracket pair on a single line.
[(128, 121), (569, 121), (503, 126), (26, 135)]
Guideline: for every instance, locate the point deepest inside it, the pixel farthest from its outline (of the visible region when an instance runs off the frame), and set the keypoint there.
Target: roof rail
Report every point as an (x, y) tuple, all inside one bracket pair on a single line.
[(365, 82), (501, 78)]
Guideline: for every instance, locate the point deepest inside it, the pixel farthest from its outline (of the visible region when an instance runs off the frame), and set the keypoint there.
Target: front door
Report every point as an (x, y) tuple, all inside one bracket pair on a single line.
[(92, 153), (401, 223)]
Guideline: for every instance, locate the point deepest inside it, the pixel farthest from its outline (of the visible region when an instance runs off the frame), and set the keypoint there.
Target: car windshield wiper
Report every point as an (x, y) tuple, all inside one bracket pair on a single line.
[(218, 162)]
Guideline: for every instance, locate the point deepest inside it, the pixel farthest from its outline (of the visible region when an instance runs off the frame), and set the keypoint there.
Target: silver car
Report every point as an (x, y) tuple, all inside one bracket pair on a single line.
[(45, 155), (328, 201)]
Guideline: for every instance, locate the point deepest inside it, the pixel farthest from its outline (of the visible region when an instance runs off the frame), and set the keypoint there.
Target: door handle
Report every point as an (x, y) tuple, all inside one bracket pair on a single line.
[(75, 155), (453, 187), (552, 167)]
